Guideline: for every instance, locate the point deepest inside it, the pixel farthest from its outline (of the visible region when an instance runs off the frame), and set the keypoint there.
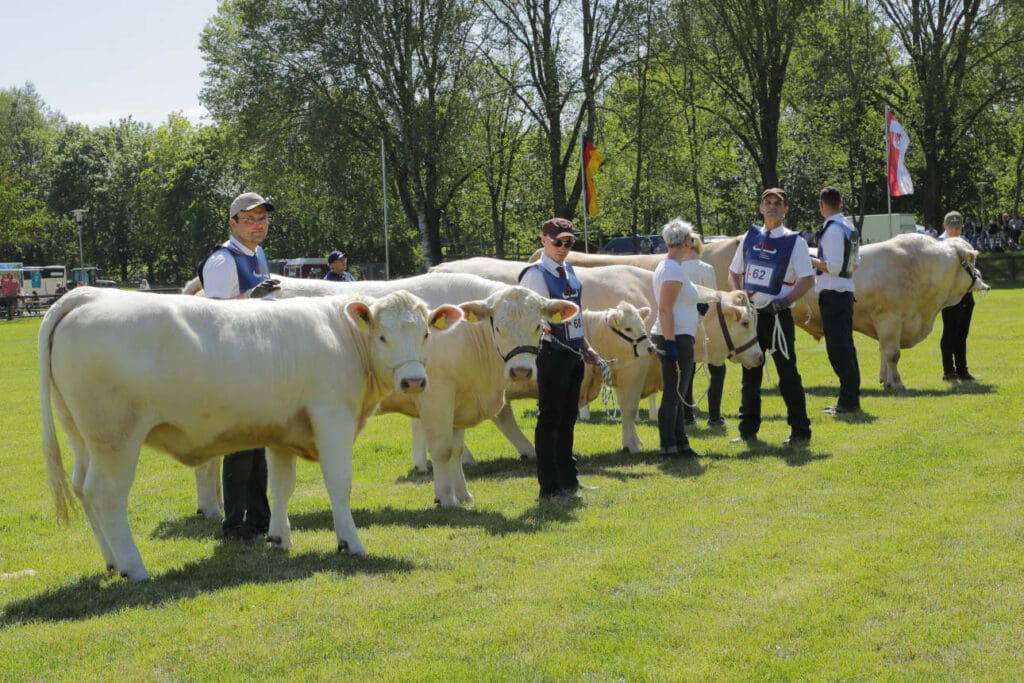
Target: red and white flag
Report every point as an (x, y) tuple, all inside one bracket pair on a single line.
[(899, 177)]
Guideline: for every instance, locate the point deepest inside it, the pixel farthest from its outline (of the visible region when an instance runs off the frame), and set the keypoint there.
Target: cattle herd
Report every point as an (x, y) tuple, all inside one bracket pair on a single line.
[(198, 378)]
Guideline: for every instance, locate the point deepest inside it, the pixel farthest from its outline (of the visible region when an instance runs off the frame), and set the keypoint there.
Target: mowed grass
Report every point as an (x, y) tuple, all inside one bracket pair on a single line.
[(891, 548)]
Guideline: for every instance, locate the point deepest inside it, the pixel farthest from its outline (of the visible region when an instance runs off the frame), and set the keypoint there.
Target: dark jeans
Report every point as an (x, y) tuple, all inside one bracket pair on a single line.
[(790, 384), (837, 321), (715, 388), (246, 508), (956, 325), (11, 304), (676, 376), (559, 376)]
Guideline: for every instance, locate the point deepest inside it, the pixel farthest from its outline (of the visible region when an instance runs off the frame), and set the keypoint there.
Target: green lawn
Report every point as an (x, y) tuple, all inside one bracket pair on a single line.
[(891, 548)]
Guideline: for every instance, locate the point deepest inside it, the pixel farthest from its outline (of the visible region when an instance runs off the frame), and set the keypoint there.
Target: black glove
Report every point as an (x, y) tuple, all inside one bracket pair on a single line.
[(702, 309), (780, 304), (671, 349), (264, 288)]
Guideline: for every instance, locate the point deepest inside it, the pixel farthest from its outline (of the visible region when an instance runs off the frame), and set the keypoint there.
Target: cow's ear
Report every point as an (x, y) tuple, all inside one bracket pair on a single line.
[(734, 313), (360, 314), (476, 311), (559, 311), (444, 317), (644, 312)]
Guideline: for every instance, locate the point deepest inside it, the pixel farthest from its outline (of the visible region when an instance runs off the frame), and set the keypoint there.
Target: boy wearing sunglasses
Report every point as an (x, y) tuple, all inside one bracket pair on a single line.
[(563, 350)]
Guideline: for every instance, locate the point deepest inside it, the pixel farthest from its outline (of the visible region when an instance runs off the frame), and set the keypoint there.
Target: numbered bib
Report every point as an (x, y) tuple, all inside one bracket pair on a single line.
[(574, 327), (759, 275)]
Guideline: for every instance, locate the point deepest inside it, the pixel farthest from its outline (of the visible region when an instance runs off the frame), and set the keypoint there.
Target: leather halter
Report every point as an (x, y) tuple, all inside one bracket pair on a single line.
[(733, 350), (514, 352), (970, 270), (634, 342)]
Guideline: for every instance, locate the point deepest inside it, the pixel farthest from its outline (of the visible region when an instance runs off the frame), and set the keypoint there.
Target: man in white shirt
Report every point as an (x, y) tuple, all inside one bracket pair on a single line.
[(773, 265), (837, 259)]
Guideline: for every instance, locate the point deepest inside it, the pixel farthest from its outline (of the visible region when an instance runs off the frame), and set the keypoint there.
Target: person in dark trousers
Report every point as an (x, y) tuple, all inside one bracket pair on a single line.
[(673, 333), (773, 265), (956, 320), (837, 256), (238, 269), (563, 350)]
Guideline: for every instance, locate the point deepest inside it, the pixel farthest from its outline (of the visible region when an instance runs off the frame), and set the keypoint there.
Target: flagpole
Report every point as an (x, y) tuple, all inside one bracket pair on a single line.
[(384, 196), (583, 182), (888, 151)]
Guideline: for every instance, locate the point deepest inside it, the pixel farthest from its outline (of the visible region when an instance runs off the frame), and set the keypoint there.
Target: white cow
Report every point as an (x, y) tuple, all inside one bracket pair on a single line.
[(198, 378), (729, 333), (469, 369)]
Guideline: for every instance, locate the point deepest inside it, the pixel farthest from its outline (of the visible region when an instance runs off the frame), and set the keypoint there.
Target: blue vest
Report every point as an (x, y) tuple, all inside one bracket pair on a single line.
[(252, 270), (568, 289), (766, 260), (849, 253)]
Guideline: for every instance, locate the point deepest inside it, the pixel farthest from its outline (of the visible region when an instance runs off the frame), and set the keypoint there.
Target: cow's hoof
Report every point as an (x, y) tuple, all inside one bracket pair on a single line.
[(111, 569), (356, 550), (527, 456), (136, 577), (468, 498)]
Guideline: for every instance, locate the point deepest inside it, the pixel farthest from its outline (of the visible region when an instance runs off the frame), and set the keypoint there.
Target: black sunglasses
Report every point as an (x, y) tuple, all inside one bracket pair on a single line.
[(568, 242)]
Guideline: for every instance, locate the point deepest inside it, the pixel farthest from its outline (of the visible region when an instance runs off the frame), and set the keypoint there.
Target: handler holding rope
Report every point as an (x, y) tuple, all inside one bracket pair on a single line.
[(559, 364), (773, 265), (673, 333)]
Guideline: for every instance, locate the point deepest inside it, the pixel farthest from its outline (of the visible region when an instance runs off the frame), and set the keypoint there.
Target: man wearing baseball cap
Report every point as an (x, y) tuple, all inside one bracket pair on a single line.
[(956, 320), (563, 350), (337, 261), (773, 264), (238, 269)]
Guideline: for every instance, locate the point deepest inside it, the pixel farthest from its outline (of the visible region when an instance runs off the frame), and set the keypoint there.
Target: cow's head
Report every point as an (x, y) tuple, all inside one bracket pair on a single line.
[(968, 264), (514, 315), (396, 329), (627, 322), (731, 326)]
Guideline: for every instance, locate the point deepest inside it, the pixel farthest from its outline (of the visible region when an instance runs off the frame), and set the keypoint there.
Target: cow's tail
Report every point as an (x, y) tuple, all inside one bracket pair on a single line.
[(62, 497)]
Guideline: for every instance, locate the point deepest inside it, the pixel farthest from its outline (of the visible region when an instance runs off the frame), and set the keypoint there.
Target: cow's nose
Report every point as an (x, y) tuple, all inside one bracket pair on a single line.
[(520, 374), (413, 385)]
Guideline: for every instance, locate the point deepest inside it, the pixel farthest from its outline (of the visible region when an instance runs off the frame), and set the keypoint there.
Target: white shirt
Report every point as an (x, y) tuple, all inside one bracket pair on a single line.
[(700, 273), (830, 250), (220, 274), (799, 266), (684, 308), (534, 279)]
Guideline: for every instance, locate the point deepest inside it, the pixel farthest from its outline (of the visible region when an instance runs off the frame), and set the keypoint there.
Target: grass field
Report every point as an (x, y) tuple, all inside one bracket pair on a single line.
[(891, 549)]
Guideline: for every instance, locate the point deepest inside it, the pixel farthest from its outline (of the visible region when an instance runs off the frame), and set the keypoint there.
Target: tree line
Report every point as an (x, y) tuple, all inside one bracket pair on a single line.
[(478, 106)]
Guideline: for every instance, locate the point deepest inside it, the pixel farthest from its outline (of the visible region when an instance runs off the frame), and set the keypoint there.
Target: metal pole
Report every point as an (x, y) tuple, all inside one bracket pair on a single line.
[(79, 215), (583, 180), (888, 151), (384, 195)]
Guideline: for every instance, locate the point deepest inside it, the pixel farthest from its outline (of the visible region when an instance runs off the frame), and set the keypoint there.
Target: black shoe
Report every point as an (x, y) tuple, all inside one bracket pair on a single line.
[(966, 377), (719, 422), (796, 440), (949, 377), (687, 453), (689, 421), (239, 534)]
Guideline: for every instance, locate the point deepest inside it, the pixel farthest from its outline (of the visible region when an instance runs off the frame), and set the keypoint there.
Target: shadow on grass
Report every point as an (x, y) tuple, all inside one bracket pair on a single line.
[(794, 456), (231, 565), (980, 387)]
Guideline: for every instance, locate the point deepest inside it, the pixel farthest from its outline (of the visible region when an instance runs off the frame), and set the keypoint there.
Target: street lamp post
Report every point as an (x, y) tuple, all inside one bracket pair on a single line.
[(79, 215)]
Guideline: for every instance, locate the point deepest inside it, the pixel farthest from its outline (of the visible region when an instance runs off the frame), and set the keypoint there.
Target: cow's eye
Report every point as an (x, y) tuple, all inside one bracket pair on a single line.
[(383, 339), (424, 335)]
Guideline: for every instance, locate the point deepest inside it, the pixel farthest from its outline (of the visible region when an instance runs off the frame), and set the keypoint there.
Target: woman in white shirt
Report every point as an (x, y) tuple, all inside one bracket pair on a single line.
[(703, 275), (673, 333)]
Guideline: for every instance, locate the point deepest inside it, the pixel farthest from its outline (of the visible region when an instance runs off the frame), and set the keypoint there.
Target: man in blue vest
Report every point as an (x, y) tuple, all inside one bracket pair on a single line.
[(772, 264), (337, 261), (238, 269), (559, 364), (837, 259)]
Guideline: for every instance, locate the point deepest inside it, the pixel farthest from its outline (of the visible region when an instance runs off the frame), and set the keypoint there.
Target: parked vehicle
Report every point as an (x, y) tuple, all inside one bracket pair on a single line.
[(635, 244)]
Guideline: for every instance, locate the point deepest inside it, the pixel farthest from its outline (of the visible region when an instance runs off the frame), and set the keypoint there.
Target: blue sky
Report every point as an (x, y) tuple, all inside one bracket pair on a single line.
[(98, 61)]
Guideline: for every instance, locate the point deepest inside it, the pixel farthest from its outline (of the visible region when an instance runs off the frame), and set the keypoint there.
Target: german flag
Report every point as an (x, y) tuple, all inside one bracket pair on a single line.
[(592, 159)]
